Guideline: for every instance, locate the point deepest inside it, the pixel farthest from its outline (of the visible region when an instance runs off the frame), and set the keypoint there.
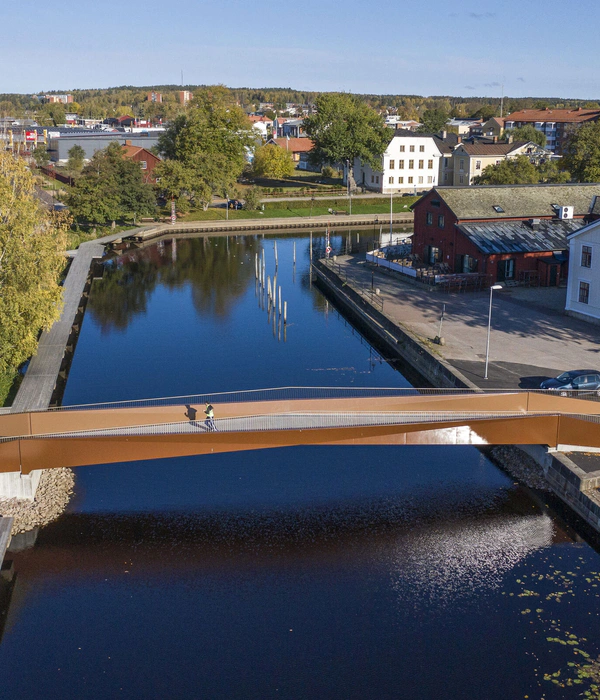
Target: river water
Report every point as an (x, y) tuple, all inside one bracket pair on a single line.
[(330, 572)]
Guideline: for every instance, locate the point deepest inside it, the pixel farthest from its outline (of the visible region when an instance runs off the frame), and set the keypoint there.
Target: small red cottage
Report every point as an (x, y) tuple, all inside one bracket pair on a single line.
[(147, 160)]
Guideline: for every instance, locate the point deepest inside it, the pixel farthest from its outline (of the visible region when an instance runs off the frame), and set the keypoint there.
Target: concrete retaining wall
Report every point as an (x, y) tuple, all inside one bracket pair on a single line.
[(397, 342)]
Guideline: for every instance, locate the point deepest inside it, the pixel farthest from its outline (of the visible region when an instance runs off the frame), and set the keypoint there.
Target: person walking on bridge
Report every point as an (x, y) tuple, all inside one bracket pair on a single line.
[(210, 418)]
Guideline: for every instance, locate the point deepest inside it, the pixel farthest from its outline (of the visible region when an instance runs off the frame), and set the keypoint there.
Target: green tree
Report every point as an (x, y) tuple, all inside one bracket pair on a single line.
[(252, 198), (52, 114), (550, 172), (110, 188), (485, 112), (40, 155), (526, 133), (511, 171), (432, 121), (273, 162), (582, 153), (32, 245), (345, 128), (209, 142), (76, 158)]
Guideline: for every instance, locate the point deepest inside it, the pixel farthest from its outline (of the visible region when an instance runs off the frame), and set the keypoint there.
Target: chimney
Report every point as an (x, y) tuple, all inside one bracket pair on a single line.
[(459, 139), (128, 142), (534, 223), (495, 139), (510, 138), (444, 134)]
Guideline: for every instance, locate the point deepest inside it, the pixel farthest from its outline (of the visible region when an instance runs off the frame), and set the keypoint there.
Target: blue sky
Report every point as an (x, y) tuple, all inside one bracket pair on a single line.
[(434, 48)]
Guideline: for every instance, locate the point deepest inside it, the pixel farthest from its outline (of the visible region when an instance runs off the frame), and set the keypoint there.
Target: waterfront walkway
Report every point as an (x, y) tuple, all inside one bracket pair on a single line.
[(531, 338)]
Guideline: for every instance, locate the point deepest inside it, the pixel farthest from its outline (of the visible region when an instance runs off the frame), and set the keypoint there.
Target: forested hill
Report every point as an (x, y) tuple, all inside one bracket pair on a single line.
[(129, 99)]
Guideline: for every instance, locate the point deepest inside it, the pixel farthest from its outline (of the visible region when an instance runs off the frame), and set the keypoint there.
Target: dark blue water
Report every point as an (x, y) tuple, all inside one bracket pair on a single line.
[(331, 572)]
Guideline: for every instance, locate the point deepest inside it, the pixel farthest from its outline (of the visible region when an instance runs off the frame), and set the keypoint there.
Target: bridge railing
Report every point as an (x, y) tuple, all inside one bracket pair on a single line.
[(270, 422), (307, 393)]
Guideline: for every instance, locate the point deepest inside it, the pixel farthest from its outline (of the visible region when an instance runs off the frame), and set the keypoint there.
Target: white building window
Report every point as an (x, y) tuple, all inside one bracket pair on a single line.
[(400, 180), (420, 179), (401, 165), (429, 179), (392, 164), (586, 256), (143, 164), (402, 149), (430, 164), (584, 292), (411, 149), (410, 180), (477, 165), (411, 164), (421, 164), (422, 149), (391, 180)]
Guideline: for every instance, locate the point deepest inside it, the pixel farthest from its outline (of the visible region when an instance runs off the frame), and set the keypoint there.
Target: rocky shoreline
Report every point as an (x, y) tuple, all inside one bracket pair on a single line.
[(53, 494), (521, 466)]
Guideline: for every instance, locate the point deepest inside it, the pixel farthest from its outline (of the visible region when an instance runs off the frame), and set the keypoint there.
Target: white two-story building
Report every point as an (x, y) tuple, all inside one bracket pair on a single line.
[(583, 285), (411, 163)]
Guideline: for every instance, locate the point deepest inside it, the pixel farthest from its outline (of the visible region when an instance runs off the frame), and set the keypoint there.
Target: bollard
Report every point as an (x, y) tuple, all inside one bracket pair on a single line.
[(269, 287), (279, 309), (294, 252), (285, 314)]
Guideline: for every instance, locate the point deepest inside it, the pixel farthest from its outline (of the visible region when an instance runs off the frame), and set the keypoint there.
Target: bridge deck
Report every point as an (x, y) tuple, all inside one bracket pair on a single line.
[(90, 435)]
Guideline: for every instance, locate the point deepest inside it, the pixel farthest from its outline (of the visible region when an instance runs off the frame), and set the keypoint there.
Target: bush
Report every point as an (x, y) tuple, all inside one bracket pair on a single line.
[(329, 172), (252, 198)]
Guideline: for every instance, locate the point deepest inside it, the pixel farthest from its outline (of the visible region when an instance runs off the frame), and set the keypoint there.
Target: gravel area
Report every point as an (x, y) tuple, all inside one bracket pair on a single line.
[(53, 494), (520, 465)]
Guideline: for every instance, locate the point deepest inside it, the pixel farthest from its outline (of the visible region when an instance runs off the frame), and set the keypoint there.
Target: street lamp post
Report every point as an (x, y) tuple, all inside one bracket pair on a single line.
[(487, 345), (348, 186)]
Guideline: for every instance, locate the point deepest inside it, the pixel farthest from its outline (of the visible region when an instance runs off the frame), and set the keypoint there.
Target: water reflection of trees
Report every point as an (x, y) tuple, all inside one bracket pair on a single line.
[(211, 266)]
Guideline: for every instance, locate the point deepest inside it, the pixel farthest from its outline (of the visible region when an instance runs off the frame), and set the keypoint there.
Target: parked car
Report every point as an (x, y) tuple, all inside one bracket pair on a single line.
[(574, 382)]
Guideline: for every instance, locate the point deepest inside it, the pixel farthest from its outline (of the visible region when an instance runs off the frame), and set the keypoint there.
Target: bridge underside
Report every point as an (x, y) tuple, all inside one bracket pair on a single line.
[(70, 438)]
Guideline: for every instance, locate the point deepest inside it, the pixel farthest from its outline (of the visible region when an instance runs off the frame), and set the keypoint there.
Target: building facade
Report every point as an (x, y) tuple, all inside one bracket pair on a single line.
[(556, 124), (411, 163), (515, 233), (583, 288)]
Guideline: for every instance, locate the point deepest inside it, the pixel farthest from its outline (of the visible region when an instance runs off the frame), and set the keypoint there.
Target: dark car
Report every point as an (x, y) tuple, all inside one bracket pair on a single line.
[(575, 381)]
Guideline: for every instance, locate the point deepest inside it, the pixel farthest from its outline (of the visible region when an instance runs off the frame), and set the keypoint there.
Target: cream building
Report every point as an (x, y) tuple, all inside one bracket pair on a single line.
[(471, 159)]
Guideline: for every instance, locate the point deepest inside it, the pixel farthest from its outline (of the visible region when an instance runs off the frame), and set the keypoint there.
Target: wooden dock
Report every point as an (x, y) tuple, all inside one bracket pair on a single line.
[(35, 392)]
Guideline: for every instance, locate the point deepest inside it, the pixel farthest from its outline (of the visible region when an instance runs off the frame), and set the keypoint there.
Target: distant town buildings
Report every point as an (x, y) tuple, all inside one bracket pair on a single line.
[(185, 96), (51, 99), (154, 97)]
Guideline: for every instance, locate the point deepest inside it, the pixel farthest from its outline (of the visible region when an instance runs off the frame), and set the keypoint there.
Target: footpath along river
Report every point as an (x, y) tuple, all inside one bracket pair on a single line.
[(331, 572)]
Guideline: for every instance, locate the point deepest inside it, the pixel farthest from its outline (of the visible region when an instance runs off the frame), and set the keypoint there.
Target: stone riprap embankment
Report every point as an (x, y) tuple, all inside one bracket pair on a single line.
[(51, 499), (521, 466)]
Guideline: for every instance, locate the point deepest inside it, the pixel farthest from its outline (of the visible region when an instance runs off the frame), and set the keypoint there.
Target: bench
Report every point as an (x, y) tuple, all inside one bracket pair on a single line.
[(338, 212)]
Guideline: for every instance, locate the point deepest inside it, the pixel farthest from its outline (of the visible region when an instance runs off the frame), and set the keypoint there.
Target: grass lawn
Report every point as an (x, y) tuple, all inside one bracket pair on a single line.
[(292, 209)]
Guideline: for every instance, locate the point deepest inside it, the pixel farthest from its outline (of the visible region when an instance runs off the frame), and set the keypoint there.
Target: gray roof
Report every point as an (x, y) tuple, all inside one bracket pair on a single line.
[(596, 206), (519, 236), (522, 201)]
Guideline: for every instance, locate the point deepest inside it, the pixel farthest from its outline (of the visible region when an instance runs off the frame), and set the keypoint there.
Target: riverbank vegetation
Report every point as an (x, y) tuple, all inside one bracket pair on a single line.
[(32, 245)]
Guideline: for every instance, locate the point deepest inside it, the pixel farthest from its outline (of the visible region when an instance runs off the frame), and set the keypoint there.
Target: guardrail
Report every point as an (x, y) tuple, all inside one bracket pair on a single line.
[(308, 393), (370, 296)]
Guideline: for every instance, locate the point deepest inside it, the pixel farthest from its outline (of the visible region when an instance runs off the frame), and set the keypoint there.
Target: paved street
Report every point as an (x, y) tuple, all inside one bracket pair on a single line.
[(531, 338)]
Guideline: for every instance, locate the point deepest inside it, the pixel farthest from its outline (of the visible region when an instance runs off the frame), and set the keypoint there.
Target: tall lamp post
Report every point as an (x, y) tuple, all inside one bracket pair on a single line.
[(348, 185), (493, 288)]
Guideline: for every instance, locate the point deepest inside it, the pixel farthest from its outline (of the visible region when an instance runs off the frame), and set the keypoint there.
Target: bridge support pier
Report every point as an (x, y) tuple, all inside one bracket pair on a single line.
[(17, 485)]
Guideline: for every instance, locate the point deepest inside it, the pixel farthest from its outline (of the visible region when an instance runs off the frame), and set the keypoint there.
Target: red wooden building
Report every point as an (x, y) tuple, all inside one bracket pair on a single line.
[(147, 160), (507, 232)]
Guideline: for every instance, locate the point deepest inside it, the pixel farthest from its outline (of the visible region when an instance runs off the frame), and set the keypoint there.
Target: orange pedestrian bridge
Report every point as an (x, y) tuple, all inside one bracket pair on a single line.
[(129, 431)]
